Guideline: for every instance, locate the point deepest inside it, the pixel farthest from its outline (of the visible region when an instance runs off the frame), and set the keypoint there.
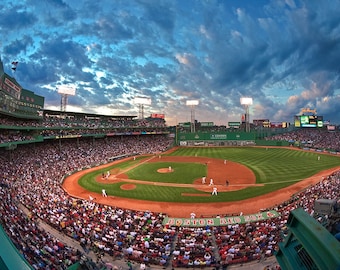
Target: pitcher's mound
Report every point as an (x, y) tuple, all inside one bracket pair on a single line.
[(165, 170)]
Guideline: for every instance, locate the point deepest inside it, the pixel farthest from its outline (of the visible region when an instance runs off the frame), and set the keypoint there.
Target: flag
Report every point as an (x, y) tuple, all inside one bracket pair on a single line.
[(14, 65)]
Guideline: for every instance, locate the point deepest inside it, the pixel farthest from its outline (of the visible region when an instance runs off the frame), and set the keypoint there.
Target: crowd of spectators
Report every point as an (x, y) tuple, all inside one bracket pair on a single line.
[(51, 121), (194, 247), (14, 136), (41, 249), (312, 138), (30, 177), (241, 243), (52, 126)]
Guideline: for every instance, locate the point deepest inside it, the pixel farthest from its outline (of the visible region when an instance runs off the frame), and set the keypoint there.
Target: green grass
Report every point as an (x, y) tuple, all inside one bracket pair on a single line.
[(191, 171), (274, 167)]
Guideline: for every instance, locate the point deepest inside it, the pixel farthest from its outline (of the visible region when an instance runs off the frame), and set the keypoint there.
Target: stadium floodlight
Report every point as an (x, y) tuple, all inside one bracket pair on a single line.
[(246, 101), (142, 101), (192, 104), (65, 91)]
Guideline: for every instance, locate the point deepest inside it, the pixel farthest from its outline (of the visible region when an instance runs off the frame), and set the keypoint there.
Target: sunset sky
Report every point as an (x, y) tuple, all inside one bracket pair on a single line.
[(284, 54)]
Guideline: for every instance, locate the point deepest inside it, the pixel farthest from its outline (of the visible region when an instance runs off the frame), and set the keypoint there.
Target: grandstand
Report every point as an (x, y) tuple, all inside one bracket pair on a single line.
[(45, 228)]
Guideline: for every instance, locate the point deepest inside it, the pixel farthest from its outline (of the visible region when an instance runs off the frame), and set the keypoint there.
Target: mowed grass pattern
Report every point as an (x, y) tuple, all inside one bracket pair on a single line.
[(274, 167)]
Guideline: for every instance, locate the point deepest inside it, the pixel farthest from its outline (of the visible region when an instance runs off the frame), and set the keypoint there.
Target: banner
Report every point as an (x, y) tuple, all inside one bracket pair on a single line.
[(222, 221), (158, 115)]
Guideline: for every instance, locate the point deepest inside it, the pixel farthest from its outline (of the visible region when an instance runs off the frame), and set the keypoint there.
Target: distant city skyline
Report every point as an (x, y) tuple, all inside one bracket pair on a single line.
[(284, 54)]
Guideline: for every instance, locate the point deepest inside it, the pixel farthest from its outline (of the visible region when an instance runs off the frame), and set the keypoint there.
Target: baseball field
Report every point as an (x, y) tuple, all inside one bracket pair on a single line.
[(171, 182)]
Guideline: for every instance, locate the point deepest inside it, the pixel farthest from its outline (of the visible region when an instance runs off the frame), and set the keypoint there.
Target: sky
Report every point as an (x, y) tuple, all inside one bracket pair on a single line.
[(282, 54)]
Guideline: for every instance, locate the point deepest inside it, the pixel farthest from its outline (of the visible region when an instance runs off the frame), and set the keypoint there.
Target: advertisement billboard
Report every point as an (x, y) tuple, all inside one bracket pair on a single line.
[(234, 124), (207, 124), (158, 115), (260, 122)]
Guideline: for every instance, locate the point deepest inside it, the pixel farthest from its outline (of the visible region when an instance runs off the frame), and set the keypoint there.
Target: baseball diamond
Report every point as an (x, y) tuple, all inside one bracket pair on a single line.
[(248, 191)]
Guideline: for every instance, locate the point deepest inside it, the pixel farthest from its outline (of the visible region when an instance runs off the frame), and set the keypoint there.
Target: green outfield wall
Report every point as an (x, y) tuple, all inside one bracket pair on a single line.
[(224, 139), (215, 139), (271, 143)]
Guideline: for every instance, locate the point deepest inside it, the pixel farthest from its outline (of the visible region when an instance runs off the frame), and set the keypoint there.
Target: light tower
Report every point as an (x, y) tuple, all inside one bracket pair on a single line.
[(142, 101), (246, 102), (65, 91), (192, 104)]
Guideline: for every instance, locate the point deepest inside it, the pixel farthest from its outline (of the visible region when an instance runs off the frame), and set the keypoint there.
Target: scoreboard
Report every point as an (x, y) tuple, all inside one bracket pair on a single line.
[(308, 121)]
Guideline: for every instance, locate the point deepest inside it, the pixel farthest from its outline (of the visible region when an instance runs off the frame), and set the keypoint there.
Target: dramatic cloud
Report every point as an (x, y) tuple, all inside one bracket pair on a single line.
[(285, 54)]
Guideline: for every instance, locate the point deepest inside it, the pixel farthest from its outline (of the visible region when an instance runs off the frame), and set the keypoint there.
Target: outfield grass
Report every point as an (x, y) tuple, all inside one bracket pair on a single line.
[(274, 167)]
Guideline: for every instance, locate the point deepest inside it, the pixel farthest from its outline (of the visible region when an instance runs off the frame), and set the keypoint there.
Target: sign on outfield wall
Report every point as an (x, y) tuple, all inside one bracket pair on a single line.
[(217, 136), (222, 221)]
